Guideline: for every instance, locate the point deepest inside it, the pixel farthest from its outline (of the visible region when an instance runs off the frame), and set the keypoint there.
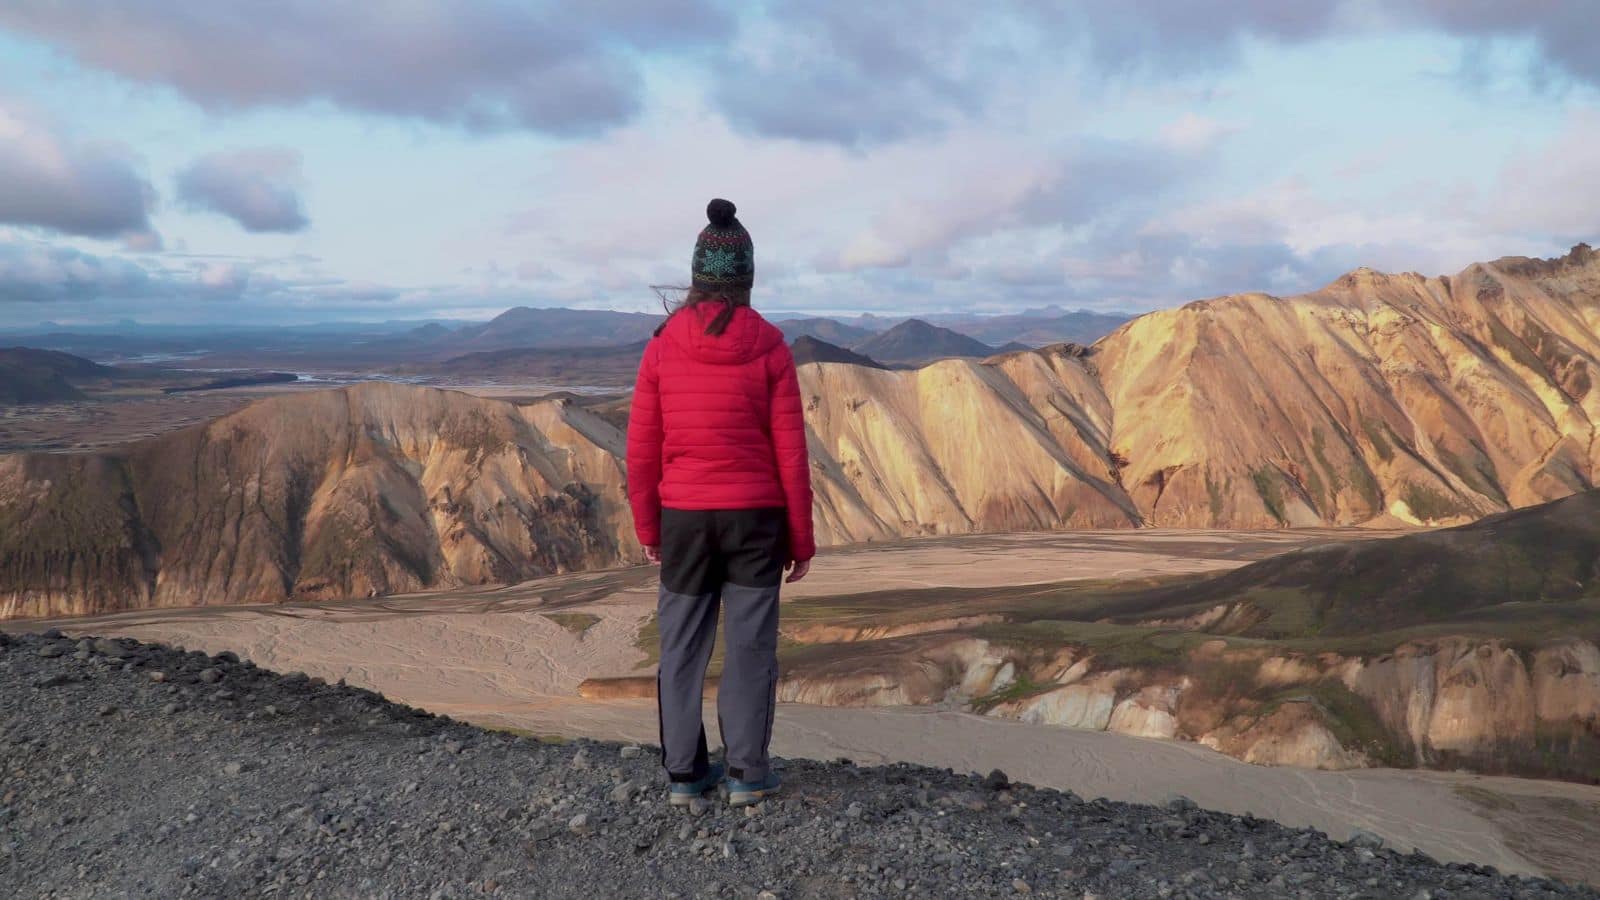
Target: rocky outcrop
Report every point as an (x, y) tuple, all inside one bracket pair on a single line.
[(1444, 703)]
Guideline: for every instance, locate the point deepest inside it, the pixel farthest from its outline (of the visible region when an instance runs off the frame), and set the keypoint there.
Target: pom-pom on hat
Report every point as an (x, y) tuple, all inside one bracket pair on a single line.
[(724, 256)]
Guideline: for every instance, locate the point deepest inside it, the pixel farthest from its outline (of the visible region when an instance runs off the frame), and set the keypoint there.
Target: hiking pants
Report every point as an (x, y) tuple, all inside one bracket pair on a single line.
[(730, 560)]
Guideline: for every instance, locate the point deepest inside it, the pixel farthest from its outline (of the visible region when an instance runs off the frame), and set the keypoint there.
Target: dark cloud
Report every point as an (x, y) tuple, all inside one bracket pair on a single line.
[(853, 73), (48, 181), (256, 188), (1566, 33), (554, 67), (858, 74)]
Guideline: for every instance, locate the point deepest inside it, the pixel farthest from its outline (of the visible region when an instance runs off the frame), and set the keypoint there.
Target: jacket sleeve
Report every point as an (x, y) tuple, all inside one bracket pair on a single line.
[(789, 446), (644, 451)]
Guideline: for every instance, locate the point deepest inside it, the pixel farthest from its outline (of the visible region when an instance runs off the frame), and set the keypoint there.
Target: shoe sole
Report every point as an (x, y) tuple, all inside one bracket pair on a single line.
[(749, 798)]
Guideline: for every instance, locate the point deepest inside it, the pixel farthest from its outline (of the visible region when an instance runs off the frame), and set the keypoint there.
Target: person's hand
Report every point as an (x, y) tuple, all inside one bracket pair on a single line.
[(652, 552), (798, 570)]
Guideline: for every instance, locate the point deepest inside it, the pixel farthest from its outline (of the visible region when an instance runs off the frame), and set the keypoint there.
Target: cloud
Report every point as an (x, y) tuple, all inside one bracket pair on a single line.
[(256, 188), (1562, 32), (566, 69), (863, 74), (1192, 132), (1554, 189), (90, 190), (37, 272)]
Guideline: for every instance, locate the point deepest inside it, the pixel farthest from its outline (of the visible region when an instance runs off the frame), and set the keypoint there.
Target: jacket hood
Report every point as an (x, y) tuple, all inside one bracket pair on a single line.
[(747, 337)]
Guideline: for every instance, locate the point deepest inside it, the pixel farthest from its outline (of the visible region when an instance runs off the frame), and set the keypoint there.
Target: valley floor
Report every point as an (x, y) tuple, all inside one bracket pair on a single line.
[(513, 658)]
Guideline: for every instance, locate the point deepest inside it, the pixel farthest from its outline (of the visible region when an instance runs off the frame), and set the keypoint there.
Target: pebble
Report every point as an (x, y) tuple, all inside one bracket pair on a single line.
[(1363, 838), (579, 824), (108, 647), (632, 751), (157, 676), (233, 768), (50, 651), (210, 676)]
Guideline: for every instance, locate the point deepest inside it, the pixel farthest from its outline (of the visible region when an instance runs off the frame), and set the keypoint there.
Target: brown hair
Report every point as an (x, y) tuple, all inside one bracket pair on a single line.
[(731, 299)]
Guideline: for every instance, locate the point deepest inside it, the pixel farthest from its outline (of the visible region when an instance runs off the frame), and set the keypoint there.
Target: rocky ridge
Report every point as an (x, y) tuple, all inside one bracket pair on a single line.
[(141, 770)]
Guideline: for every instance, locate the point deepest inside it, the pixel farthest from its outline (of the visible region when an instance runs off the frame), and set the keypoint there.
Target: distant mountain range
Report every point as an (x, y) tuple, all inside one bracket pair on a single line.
[(376, 346)]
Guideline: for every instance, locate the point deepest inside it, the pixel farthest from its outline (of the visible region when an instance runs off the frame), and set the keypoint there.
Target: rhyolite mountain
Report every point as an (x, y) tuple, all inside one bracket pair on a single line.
[(374, 489), (1386, 399)]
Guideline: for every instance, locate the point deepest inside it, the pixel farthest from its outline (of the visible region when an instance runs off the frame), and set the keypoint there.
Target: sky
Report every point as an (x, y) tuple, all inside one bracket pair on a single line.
[(317, 160)]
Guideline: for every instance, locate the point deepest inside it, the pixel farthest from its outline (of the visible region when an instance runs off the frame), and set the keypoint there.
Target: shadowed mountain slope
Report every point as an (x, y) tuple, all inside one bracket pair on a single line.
[(44, 376), (810, 349), (1517, 573), (916, 341)]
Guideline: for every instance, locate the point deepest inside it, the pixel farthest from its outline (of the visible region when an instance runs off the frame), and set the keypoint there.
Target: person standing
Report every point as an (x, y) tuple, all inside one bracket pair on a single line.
[(720, 486)]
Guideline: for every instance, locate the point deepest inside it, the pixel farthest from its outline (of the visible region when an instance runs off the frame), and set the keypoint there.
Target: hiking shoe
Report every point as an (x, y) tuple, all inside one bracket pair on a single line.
[(745, 793), (683, 793)]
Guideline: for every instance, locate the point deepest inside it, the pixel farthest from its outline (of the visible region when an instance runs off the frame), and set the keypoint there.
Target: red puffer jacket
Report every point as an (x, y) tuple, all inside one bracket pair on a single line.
[(717, 424)]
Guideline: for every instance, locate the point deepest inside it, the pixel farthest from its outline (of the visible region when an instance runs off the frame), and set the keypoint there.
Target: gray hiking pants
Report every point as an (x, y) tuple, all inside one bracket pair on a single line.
[(729, 561)]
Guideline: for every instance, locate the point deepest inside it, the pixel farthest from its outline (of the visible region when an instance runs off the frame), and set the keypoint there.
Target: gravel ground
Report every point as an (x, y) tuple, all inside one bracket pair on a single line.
[(130, 769)]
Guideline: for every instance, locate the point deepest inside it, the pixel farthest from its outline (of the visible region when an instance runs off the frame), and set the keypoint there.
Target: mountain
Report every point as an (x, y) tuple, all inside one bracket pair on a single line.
[(606, 366), (362, 491), (1379, 396), (1036, 327), (829, 330), (524, 326), (916, 341), (808, 349), (44, 376), (1383, 399)]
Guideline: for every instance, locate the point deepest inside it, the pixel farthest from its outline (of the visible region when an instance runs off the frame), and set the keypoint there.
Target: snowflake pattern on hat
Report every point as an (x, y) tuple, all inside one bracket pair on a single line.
[(724, 256)]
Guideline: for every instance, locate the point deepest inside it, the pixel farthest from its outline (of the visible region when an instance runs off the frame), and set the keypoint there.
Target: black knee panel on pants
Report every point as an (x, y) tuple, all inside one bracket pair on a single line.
[(703, 548)]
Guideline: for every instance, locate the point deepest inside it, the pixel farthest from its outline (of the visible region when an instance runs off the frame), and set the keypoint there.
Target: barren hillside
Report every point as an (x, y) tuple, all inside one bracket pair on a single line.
[(375, 489)]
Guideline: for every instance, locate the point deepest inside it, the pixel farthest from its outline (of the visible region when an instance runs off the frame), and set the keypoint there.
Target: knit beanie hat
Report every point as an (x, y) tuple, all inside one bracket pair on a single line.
[(724, 257)]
